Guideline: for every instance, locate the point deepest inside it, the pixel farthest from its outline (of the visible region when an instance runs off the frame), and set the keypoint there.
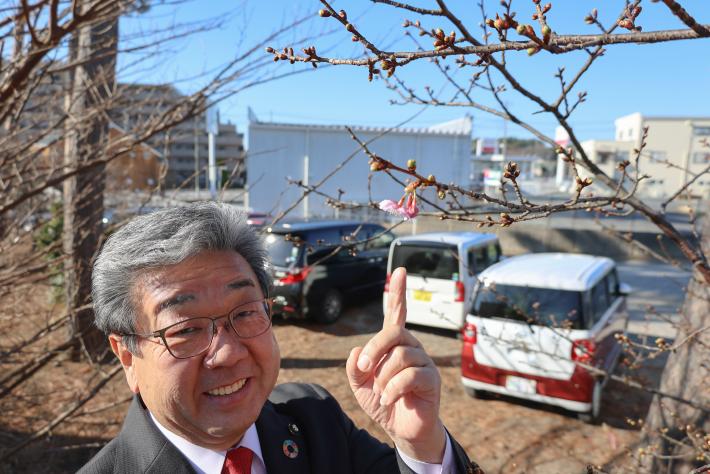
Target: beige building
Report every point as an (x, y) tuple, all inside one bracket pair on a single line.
[(677, 149)]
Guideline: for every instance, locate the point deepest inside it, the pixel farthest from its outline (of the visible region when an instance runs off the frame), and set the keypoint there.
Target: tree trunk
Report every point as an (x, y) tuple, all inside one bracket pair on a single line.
[(94, 50), (686, 375)]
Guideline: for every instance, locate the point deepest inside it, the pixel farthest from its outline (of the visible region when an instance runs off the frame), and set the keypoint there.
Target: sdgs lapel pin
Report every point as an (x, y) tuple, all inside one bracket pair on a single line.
[(290, 449)]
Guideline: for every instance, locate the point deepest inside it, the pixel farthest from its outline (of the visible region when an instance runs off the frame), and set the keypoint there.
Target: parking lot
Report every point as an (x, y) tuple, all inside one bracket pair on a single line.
[(503, 435)]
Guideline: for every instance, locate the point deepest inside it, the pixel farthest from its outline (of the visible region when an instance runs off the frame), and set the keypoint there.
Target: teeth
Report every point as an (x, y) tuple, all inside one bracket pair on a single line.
[(228, 389)]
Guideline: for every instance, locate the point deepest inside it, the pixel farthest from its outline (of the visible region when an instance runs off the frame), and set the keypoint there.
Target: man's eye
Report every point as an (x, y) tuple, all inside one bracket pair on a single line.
[(244, 314), (185, 331)]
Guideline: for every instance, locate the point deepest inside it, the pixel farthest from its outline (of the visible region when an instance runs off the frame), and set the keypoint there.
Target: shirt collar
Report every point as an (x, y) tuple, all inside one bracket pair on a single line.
[(208, 461)]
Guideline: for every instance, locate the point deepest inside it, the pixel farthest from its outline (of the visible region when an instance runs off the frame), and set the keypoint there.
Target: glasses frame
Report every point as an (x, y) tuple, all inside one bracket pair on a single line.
[(160, 333)]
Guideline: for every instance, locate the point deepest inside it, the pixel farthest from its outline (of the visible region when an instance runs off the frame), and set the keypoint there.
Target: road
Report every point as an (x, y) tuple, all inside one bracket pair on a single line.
[(657, 296)]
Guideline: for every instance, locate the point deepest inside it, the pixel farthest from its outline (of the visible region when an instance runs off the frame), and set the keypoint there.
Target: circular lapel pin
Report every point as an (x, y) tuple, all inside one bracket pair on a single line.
[(293, 428), (290, 449)]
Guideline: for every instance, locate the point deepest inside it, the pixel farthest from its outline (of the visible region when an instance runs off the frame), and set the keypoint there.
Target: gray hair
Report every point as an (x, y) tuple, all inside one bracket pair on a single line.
[(162, 238)]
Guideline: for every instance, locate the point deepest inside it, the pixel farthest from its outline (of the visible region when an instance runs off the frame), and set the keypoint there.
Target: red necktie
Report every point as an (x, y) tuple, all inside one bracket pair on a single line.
[(238, 461)]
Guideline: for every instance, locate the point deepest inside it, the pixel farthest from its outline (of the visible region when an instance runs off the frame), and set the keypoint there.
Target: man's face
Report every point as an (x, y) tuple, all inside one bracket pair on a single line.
[(182, 393)]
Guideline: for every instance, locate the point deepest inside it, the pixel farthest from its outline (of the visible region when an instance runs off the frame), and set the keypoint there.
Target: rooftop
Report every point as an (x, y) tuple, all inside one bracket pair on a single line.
[(461, 126), (305, 225), (563, 271), (454, 238)]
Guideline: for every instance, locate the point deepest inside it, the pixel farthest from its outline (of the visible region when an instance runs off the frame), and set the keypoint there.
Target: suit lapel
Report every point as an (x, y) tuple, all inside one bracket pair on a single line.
[(279, 435), (143, 448)]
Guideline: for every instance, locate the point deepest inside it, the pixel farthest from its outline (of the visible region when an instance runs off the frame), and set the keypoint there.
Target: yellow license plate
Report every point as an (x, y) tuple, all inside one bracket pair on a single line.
[(421, 295)]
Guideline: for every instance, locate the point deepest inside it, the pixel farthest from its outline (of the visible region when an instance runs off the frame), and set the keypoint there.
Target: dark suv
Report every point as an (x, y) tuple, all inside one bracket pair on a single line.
[(316, 264)]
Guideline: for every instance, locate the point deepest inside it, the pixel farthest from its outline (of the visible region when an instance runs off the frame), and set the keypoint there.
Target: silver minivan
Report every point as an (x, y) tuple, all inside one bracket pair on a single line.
[(441, 273)]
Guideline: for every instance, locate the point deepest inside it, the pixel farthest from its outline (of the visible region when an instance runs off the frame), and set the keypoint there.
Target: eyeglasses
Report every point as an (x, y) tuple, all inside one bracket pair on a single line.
[(191, 337)]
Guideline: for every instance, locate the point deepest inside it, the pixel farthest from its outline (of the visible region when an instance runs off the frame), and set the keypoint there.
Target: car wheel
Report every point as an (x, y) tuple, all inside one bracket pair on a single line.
[(329, 307), (593, 416)]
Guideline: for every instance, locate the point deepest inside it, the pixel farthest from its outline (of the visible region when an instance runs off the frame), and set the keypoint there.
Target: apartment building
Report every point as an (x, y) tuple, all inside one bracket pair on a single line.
[(184, 146), (677, 151)]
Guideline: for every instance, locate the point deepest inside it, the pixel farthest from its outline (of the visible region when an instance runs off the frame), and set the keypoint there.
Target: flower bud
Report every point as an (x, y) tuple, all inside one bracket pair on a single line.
[(441, 194), (349, 27), (520, 29), (324, 13), (411, 165), (269, 49)]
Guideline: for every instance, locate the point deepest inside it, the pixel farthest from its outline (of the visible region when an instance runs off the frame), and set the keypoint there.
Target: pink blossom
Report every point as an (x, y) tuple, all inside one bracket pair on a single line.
[(408, 211), (390, 206), (411, 210)]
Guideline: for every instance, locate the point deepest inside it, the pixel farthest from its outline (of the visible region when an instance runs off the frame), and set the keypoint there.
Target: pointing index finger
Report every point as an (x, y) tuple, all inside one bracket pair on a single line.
[(396, 313)]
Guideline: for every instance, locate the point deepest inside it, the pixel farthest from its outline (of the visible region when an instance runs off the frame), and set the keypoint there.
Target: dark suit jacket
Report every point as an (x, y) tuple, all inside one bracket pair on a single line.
[(328, 441)]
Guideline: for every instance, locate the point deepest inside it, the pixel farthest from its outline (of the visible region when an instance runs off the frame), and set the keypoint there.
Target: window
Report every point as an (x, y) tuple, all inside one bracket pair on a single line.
[(541, 306), (599, 301), (480, 258), (657, 155), (621, 155), (603, 157), (382, 239), (612, 284), (440, 261), (283, 252), (701, 158), (493, 253), (477, 260), (701, 131)]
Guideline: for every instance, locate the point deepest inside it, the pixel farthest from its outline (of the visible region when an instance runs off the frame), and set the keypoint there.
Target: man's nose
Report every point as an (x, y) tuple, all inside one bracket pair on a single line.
[(226, 348)]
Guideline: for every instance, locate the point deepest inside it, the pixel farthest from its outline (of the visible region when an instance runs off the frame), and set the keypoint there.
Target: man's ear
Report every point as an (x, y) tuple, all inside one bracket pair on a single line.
[(126, 358)]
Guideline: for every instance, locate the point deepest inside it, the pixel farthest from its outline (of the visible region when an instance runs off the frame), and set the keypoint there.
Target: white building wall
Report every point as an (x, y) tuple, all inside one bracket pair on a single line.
[(278, 152)]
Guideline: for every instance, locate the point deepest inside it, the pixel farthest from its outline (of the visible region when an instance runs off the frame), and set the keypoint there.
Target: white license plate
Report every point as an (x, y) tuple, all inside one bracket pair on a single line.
[(520, 385)]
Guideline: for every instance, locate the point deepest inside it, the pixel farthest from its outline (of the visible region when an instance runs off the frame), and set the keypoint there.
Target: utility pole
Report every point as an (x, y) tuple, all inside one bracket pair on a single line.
[(212, 131), (196, 149)]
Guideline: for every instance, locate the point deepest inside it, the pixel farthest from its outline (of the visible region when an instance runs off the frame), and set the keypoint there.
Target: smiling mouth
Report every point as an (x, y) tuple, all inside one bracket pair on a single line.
[(228, 389)]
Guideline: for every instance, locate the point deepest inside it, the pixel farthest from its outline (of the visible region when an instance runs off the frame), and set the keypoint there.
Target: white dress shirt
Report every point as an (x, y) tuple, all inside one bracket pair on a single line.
[(208, 461)]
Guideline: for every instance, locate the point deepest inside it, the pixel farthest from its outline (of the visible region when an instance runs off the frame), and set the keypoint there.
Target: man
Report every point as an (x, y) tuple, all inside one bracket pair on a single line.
[(182, 294)]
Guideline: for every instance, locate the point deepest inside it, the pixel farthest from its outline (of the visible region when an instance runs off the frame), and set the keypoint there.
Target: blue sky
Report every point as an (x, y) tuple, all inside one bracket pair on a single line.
[(664, 79)]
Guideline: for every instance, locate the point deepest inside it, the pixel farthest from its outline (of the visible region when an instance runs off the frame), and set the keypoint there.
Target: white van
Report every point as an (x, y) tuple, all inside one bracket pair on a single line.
[(441, 273), (540, 325)]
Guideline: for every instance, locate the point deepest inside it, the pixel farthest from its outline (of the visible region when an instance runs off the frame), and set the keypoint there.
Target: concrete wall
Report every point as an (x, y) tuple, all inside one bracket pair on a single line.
[(548, 236)]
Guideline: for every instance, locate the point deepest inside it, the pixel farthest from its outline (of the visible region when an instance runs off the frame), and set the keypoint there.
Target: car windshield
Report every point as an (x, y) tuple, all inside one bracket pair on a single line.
[(439, 261), (545, 306), (283, 252)]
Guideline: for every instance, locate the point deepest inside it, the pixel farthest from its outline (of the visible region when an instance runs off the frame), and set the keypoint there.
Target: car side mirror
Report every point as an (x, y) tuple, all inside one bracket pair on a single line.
[(625, 289)]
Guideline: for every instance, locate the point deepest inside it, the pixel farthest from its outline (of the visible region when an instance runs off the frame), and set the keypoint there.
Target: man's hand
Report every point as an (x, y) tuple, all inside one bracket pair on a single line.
[(395, 381)]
